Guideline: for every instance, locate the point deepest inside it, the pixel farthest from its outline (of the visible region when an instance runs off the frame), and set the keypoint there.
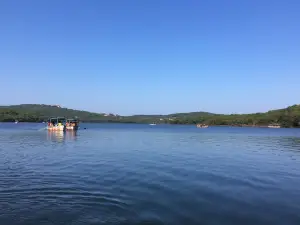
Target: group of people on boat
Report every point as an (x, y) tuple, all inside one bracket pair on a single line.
[(72, 124), (53, 124), (61, 124)]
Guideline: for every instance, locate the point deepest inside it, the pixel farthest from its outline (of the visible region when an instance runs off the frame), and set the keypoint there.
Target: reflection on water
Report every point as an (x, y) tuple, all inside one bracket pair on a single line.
[(60, 136), (71, 135)]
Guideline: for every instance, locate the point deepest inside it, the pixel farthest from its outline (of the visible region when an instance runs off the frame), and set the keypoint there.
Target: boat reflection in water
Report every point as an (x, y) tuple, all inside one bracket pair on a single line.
[(71, 135), (61, 136)]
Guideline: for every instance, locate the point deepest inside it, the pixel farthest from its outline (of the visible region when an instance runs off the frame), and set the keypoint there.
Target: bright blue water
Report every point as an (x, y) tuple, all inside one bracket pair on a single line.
[(141, 174)]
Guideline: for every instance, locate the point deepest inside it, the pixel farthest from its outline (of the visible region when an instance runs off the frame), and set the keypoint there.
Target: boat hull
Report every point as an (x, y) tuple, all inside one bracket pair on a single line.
[(71, 127), (56, 128)]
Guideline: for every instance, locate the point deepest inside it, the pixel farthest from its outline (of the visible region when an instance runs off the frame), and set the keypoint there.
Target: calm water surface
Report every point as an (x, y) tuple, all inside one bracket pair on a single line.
[(141, 174)]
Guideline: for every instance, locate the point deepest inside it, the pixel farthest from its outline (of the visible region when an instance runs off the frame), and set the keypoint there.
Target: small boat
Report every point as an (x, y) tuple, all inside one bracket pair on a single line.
[(72, 124), (202, 126), (274, 126), (16, 121), (152, 124), (56, 124)]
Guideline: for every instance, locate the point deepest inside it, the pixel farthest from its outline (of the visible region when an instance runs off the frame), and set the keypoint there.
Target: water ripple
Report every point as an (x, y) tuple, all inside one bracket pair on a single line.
[(136, 174)]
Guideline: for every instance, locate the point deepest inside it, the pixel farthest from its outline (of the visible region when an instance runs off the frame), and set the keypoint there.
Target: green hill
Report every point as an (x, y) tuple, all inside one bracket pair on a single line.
[(38, 113), (287, 117)]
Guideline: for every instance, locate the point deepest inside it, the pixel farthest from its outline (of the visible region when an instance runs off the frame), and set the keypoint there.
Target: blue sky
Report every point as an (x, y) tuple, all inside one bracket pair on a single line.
[(158, 56)]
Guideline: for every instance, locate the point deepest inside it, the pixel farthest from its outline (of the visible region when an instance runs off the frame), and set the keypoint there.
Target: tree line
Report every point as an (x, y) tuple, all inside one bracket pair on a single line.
[(287, 117)]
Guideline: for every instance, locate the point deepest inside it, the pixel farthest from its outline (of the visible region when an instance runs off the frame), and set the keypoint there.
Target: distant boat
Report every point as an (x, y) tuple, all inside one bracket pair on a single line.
[(202, 126), (152, 124), (16, 121), (56, 124), (274, 126), (72, 124), (62, 124)]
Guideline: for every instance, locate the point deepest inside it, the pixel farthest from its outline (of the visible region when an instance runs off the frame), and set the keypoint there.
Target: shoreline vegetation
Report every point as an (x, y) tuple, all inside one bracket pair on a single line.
[(286, 117)]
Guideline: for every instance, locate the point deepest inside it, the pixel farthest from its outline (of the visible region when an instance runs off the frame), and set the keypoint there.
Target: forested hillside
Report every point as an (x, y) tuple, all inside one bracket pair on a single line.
[(287, 117)]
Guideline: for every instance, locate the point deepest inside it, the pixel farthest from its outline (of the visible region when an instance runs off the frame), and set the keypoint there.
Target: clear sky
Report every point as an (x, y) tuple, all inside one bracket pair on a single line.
[(151, 56)]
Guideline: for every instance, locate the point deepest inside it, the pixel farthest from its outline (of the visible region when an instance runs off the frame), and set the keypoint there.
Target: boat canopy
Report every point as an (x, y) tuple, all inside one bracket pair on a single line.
[(57, 119), (72, 120)]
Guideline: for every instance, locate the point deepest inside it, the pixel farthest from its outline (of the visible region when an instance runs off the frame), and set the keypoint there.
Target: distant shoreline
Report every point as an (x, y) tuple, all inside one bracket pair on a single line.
[(286, 118), (116, 122)]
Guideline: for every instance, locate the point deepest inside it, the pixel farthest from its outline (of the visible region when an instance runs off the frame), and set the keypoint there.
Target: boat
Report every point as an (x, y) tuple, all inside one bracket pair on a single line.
[(72, 124), (56, 124), (16, 121), (152, 124), (274, 126), (202, 125)]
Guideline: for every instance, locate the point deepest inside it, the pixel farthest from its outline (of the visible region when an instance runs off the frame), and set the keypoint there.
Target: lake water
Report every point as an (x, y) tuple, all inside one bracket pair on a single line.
[(141, 174)]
